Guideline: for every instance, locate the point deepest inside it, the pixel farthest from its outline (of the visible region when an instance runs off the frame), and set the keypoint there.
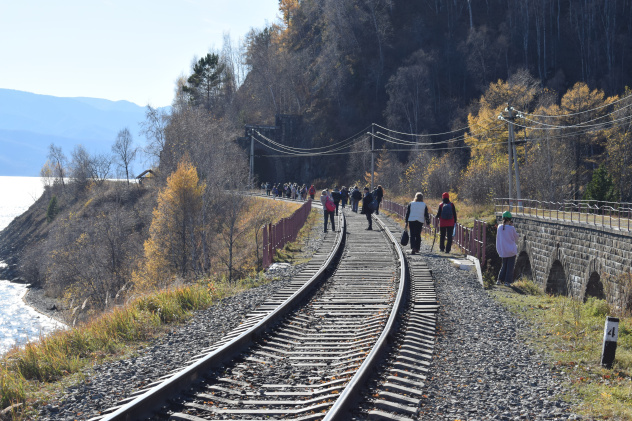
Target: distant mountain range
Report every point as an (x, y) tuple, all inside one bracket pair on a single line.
[(29, 123)]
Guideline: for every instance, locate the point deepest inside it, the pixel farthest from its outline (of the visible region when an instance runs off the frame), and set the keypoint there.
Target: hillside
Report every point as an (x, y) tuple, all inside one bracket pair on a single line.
[(434, 75)]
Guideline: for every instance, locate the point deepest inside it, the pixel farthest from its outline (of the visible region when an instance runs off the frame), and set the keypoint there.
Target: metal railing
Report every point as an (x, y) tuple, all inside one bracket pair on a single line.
[(276, 236), (608, 214), (472, 241)]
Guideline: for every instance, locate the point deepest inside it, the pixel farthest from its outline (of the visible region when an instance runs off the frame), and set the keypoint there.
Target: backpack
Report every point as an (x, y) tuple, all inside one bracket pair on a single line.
[(446, 211), (329, 205), (356, 195), (374, 204)]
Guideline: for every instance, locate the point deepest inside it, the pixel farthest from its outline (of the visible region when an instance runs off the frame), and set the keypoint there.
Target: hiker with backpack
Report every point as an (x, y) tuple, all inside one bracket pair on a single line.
[(447, 220), (312, 191), (328, 209), (367, 208), (356, 196), (416, 214)]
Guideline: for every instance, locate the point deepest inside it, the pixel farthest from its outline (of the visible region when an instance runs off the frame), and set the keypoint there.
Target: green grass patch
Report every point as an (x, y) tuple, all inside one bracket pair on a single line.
[(570, 334)]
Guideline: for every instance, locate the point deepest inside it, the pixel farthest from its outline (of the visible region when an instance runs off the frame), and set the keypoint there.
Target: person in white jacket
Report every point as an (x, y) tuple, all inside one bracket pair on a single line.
[(507, 247)]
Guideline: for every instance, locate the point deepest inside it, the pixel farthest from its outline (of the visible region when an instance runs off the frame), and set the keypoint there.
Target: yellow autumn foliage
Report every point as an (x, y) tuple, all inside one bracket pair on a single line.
[(173, 231)]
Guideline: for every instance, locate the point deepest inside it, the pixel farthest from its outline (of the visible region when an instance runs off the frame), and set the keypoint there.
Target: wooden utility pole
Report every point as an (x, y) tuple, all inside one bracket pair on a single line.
[(252, 161), (510, 178), (509, 115), (372, 155)]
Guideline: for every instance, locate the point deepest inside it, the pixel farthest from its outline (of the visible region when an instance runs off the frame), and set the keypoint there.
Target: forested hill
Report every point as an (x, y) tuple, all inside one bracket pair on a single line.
[(329, 68), (415, 65)]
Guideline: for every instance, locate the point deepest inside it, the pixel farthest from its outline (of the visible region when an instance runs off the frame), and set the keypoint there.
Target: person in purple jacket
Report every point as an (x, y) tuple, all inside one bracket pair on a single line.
[(507, 247)]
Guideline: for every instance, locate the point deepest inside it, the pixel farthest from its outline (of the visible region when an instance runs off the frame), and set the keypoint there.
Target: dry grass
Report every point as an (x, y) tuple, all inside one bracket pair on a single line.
[(570, 334)]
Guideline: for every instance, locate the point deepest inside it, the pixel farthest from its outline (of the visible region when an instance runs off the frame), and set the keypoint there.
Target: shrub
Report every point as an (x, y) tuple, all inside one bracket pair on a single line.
[(596, 307), (528, 287)]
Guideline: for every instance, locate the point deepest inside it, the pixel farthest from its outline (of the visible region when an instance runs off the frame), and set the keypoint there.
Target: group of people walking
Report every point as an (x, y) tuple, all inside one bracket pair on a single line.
[(292, 191), (331, 202), (416, 215)]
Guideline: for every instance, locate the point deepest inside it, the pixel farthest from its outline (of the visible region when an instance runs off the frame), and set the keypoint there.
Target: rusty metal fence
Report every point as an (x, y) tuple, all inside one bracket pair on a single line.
[(617, 215), (472, 241), (276, 236)]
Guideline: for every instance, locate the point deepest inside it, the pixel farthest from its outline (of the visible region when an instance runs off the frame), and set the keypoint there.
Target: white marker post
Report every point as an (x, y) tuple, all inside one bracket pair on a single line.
[(610, 336)]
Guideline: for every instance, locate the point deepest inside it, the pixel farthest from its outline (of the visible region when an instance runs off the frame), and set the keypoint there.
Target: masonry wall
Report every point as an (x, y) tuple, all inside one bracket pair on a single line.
[(581, 250)]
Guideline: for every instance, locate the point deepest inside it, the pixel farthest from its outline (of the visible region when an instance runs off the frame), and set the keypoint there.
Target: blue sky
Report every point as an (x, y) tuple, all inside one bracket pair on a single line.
[(116, 49)]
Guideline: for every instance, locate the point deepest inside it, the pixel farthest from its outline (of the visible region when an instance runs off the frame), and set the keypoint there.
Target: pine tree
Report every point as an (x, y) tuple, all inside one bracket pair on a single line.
[(52, 210), (601, 187)]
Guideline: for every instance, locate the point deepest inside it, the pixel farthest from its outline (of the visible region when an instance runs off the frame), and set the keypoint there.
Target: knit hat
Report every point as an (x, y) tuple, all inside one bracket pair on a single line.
[(445, 195)]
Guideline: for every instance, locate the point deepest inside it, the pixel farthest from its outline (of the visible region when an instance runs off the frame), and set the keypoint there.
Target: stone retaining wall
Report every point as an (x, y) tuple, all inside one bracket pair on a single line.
[(574, 258)]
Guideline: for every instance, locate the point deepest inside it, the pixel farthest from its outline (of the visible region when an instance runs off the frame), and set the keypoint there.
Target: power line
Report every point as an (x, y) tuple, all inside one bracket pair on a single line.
[(296, 153), (452, 140), (577, 113), (295, 149), (584, 124), (428, 134)]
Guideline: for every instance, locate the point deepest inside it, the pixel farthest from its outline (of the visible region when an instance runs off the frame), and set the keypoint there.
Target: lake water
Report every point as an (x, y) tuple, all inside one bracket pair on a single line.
[(19, 322)]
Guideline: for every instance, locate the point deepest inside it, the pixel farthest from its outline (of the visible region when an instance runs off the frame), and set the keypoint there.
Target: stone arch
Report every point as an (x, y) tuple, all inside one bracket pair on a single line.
[(556, 282), (594, 287), (523, 266)]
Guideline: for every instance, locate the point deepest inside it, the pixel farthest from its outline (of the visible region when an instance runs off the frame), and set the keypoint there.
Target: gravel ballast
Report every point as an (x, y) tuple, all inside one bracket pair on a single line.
[(481, 369)]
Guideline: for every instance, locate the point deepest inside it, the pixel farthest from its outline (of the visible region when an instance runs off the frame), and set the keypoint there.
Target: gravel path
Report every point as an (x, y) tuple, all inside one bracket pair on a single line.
[(481, 369), (106, 384)]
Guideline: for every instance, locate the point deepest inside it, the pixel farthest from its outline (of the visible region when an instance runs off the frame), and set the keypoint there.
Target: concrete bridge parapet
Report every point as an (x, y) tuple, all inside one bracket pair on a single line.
[(576, 259)]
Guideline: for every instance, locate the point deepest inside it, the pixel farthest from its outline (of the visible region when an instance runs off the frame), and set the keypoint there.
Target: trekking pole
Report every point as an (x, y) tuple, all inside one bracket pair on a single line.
[(434, 237)]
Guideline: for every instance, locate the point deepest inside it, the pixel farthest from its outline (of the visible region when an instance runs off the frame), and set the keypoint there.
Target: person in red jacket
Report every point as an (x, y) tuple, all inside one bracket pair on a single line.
[(447, 220), (312, 191)]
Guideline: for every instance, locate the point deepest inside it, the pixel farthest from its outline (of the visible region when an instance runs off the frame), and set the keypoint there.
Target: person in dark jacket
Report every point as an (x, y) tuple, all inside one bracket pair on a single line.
[(356, 196), (447, 220), (344, 196), (366, 207), (335, 195), (416, 214), (378, 194)]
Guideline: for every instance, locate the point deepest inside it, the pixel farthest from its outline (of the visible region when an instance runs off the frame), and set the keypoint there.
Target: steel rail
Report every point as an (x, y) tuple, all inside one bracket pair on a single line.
[(144, 405), (352, 392)]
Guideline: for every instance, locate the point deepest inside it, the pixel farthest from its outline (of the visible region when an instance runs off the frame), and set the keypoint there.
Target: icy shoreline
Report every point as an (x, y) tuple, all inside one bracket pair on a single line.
[(23, 317), (19, 322)]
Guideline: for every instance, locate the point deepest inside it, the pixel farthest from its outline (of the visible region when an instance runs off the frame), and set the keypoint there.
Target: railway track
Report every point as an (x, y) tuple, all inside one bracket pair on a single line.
[(357, 315)]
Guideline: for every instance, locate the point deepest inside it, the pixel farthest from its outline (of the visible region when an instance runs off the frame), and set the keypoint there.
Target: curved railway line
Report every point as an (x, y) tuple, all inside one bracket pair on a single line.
[(350, 338)]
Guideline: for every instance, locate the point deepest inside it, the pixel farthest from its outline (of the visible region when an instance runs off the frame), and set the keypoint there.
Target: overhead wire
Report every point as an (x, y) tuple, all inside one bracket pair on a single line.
[(284, 149), (452, 140), (351, 138), (328, 150), (583, 124), (426, 134), (579, 112)]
